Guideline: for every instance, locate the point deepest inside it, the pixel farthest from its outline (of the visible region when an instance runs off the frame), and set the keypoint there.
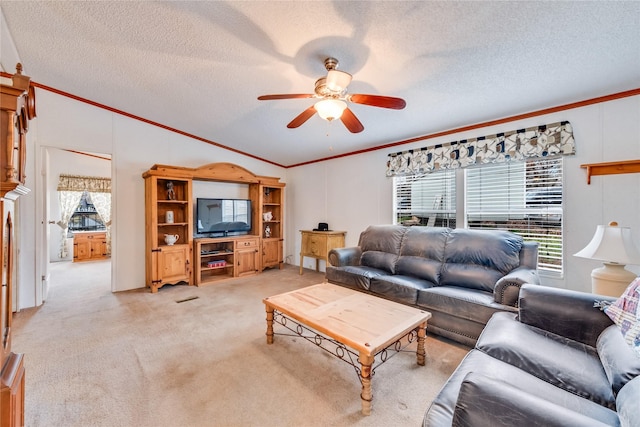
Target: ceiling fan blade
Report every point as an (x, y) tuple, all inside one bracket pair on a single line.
[(302, 117), (378, 101), (351, 121), (285, 96)]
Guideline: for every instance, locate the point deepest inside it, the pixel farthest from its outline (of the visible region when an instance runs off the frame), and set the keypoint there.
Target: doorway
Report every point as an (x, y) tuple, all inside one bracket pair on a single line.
[(59, 268)]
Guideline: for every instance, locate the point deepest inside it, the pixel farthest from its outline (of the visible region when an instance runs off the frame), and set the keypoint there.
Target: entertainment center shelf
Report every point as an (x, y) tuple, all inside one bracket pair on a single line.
[(174, 255), (225, 257)]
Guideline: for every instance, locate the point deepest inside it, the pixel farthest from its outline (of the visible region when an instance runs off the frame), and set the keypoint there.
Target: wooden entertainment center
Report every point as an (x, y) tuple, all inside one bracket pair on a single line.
[(169, 214)]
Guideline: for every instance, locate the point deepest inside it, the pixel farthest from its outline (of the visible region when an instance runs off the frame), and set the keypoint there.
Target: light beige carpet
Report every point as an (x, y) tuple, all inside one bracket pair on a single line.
[(94, 358)]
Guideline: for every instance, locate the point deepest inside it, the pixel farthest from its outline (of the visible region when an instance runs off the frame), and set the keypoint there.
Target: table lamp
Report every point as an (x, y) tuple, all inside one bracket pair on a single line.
[(614, 246)]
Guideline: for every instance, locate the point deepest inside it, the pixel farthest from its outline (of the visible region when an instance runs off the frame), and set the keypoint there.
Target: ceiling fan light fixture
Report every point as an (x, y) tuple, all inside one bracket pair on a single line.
[(331, 95), (337, 81), (330, 109)]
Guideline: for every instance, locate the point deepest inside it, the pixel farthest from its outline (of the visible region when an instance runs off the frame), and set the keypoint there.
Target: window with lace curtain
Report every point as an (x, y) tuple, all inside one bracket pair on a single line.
[(72, 190), (85, 217)]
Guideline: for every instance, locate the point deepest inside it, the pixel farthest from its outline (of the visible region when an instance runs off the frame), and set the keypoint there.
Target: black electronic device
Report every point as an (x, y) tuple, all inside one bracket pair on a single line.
[(322, 226), (223, 217)]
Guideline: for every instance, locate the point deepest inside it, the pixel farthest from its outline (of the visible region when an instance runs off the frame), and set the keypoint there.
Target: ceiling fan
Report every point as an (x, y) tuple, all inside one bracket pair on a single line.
[(333, 97)]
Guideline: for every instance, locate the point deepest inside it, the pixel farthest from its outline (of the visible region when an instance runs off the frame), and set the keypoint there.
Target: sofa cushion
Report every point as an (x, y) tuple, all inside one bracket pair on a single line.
[(353, 276), (460, 302), (382, 238), (425, 242), (479, 258), (441, 411), (567, 364), (380, 245), (379, 260), (627, 403), (421, 268), (620, 362), (422, 253), (485, 402), (398, 288)]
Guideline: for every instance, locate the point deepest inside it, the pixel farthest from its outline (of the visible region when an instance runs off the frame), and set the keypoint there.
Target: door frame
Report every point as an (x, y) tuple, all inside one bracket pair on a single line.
[(43, 235)]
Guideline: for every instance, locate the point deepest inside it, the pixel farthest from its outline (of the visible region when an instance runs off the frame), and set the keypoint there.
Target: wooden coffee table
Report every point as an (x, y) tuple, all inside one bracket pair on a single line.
[(350, 325)]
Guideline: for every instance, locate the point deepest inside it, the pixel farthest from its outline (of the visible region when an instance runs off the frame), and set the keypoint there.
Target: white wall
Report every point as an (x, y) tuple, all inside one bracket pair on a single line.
[(351, 193), (135, 146)]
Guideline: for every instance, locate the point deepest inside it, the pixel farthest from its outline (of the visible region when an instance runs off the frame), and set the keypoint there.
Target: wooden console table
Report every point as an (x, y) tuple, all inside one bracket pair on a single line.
[(317, 244)]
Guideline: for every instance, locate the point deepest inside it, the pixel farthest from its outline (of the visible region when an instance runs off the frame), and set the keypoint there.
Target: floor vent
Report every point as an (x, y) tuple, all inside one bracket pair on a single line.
[(186, 299)]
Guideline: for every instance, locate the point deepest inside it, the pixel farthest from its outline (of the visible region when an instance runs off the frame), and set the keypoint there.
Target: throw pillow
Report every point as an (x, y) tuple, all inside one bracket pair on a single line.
[(625, 313)]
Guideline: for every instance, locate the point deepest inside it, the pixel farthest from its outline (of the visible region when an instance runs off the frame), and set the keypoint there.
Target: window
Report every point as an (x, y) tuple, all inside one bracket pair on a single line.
[(426, 199), (85, 217), (521, 197)]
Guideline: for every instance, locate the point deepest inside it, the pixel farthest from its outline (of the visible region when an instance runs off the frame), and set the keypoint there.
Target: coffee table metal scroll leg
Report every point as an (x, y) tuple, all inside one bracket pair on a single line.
[(365, 375), (422, 333), (269, 323)]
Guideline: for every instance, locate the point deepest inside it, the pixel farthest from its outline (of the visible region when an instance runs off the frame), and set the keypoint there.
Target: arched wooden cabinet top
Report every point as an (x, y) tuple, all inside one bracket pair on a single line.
[(222, 171)]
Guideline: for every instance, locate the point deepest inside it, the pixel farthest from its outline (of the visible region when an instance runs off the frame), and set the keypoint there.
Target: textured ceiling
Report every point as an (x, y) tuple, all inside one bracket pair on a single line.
[(199, 66)]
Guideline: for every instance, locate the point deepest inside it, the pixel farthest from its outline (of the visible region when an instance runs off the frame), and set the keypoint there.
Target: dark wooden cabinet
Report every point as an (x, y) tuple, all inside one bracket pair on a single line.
[(17, 108), (12, 393)]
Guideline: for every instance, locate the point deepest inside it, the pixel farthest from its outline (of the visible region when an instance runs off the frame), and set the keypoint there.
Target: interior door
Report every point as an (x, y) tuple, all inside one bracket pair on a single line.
[(44, 246)]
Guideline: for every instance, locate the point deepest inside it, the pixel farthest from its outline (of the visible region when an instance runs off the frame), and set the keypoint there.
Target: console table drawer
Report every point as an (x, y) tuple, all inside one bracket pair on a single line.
[(314, 245), (246, 243)]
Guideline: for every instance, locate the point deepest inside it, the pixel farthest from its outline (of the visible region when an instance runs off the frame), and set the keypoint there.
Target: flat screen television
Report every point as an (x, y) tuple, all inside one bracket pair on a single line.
[(223, 217)]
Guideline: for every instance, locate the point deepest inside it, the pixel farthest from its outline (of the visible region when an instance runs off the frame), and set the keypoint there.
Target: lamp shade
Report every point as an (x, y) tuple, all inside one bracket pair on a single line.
[(337, 81), (613, 244), (330, 109)]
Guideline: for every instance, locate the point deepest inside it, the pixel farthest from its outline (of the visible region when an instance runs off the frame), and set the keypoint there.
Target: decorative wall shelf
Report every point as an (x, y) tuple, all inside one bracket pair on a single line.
[(611, 168)]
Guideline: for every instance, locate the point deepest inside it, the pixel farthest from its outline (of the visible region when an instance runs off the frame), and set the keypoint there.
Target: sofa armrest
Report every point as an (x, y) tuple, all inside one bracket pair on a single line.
[(507, 289), (564, 312), (341, 257), (488, 402)]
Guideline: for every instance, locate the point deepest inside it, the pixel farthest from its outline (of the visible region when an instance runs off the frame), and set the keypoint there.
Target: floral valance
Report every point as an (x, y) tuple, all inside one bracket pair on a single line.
[(539, 141), (91, 184)]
